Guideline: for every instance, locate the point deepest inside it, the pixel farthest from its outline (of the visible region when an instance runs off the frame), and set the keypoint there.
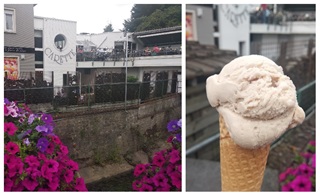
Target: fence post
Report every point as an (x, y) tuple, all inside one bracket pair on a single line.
[(311, 58), (139, 98), (89, 95), (282, 57)]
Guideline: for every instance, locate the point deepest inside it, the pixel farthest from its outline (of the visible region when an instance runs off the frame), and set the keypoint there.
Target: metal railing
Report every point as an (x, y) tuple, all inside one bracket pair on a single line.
[(89, 95)]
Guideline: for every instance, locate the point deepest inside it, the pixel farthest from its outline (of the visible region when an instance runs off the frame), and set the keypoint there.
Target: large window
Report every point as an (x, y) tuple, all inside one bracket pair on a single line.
[(9, 20)]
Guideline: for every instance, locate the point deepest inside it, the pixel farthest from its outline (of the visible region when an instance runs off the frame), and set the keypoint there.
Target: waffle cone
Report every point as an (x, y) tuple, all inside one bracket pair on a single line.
[(241, 169)]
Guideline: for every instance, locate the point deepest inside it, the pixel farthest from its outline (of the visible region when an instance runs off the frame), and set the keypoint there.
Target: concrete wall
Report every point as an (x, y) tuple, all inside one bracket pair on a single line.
[(95, 137), (234, 26), (204, 23)]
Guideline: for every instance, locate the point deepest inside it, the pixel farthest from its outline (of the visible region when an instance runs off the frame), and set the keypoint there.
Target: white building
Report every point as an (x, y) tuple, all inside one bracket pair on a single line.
[(230, 27), (56, 44)]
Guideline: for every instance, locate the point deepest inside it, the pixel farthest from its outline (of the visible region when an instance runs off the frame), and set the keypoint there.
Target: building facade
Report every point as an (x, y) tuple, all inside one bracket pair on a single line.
[(19, 41), (55, 48)]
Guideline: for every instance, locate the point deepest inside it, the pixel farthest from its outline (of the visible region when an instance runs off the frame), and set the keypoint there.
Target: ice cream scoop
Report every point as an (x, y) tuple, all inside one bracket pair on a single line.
[(256, 100)]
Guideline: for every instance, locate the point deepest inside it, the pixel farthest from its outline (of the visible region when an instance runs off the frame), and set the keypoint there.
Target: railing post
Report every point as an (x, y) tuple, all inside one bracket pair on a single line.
[(89, 95)]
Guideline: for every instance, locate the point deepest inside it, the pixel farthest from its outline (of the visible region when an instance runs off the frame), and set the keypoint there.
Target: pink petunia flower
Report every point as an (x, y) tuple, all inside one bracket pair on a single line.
[(56, 139), (18, 187), (287, 187), (313, 161), (136, 185), (54, 183), (68, 176), (6, 111), (160, 180), (179, 168), (146, 187), (139, 169), (312, 143), (8, 183), (16, 169), (50, 148), (174, 156), (30, 184), (32, 161), (301, 183), (50, 166), (10, 128), (64, 149), (176, 179), (72, 165), (80, 185), (158, 160), (164, 187), (33, 172), (306, 169), (12, 148)]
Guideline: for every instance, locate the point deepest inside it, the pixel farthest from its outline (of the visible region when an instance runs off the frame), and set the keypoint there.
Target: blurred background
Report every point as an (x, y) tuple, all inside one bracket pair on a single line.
[(216, 34)]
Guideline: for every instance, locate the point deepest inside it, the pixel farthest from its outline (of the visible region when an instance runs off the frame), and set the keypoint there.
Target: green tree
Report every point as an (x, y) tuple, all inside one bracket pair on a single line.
[(153, 16), (108, 28)]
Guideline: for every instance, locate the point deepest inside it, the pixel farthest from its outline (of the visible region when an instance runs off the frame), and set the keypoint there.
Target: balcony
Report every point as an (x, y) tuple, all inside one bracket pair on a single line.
[(135, 59)]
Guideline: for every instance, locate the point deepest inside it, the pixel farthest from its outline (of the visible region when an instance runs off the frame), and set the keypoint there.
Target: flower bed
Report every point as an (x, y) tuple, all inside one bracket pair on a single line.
[(301, 176), (34, 157), (164, 173)]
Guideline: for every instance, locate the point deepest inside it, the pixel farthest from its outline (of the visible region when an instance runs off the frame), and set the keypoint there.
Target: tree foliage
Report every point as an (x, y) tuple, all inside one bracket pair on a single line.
[(153, 16), (108, 28)]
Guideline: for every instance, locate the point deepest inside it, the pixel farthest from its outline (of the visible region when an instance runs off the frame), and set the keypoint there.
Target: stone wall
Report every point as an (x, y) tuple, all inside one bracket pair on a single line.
[(113, 136)]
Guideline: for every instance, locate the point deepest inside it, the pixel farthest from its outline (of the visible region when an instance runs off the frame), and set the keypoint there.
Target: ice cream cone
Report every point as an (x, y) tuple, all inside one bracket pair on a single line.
[(241, 169)]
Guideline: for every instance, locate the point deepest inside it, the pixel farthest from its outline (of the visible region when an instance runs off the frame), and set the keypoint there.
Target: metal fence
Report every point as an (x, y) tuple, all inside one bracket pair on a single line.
[(285, 49), (89, 95), (117, 55)]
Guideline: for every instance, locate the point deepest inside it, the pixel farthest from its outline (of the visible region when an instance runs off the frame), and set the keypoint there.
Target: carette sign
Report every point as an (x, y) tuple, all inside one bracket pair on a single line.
[(60, 59)]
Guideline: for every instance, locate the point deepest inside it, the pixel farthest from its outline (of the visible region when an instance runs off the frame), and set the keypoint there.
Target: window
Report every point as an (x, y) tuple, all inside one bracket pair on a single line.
[(38, 56), (9, 20)]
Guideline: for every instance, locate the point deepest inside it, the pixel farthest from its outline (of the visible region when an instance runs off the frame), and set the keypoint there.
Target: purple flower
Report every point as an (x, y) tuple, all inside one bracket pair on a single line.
[(160, 180), (158, 160), (301, 183), (42, 128), (139, 169), (179, 123), (46, 118), (178, 137), (6, 101), (26, 141), (173, 126), (42, 144), (31, 118)]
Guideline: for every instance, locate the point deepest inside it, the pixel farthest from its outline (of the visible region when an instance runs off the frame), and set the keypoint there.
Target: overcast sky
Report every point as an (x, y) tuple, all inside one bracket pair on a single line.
[(91, 16)]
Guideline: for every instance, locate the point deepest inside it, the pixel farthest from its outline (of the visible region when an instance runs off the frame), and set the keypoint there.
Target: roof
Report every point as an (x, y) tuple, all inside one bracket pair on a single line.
[(205, 60), (86, 42), (162, 30)]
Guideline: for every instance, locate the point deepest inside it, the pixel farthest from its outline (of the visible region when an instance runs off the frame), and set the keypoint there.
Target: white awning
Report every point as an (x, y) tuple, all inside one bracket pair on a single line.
[(157, 34)]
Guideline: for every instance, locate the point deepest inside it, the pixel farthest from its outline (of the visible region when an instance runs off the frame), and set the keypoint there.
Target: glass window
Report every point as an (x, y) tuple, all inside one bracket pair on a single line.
[(9, 20), (38, 56)]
